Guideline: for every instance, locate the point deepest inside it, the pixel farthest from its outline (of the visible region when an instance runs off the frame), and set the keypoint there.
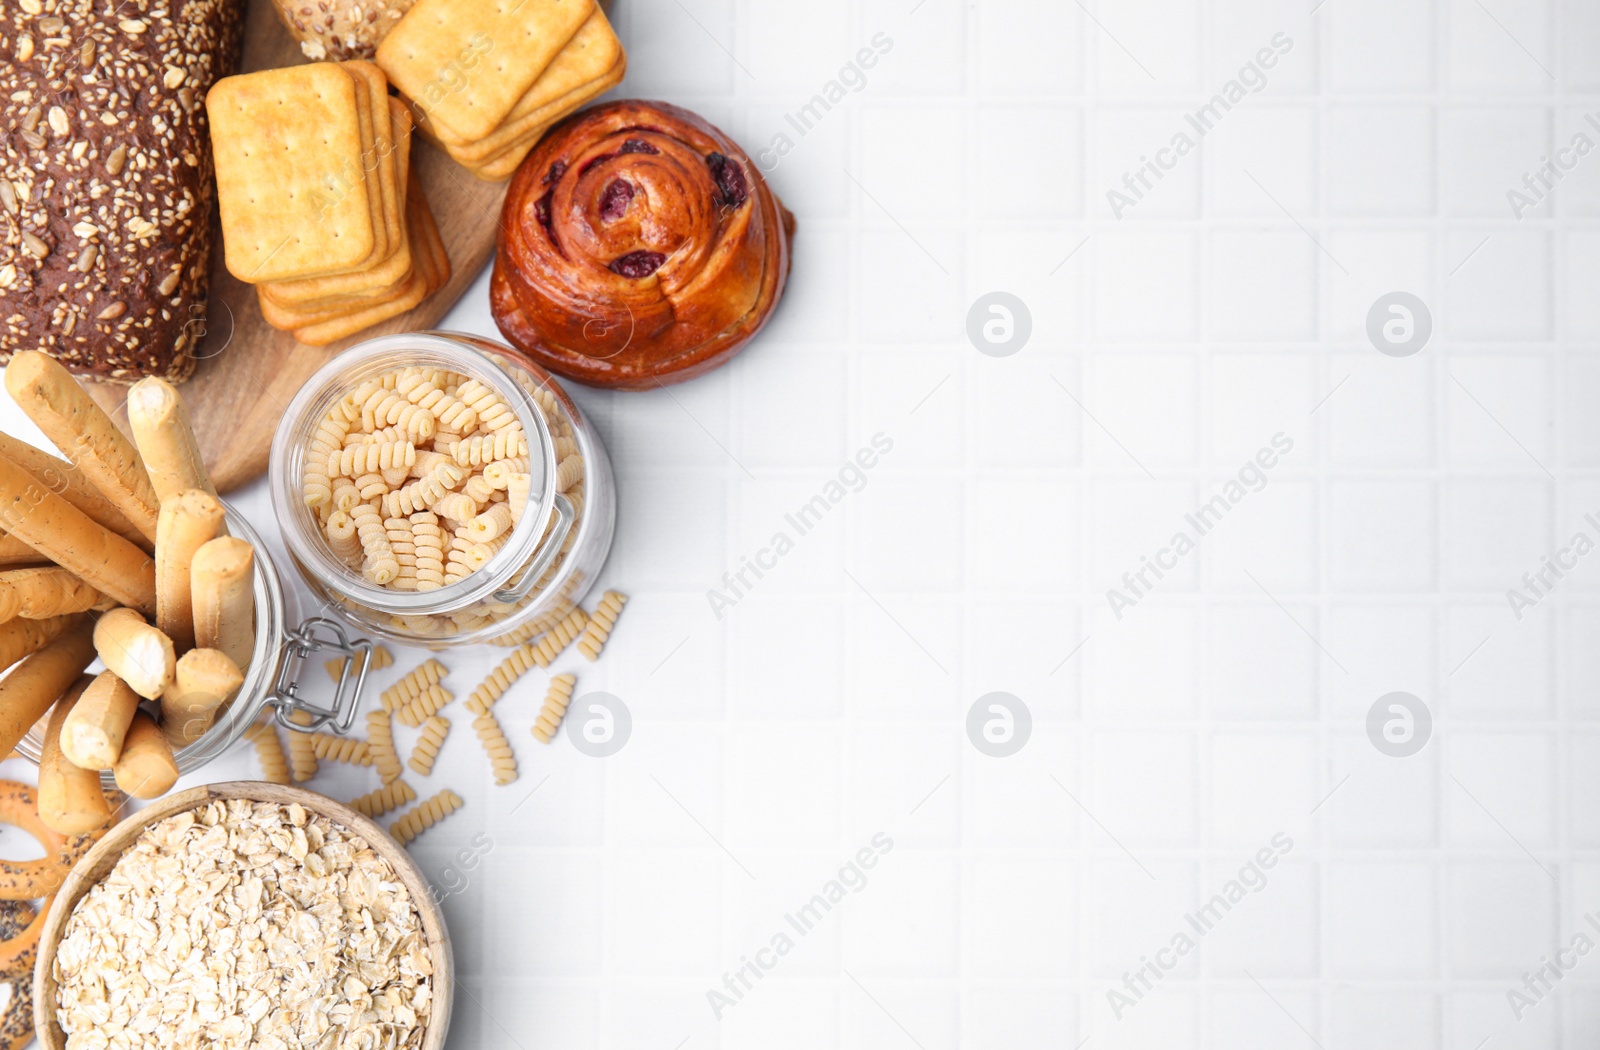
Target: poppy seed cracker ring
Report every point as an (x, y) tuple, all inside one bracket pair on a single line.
[(20, 926), (25, 880)]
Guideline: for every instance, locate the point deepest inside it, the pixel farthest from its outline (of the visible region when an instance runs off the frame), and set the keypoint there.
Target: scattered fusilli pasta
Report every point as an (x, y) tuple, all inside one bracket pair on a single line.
[(601, 621), (408, 688), (434, 730), (425, 816), (502, 761), (352, 751), (269, 753), (380, 742), (426, 703), (554, 710), (386, 799), (559, 637), (516, 664)]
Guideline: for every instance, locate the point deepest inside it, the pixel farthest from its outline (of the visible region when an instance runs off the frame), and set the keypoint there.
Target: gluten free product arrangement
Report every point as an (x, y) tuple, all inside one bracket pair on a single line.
[(639, 246)]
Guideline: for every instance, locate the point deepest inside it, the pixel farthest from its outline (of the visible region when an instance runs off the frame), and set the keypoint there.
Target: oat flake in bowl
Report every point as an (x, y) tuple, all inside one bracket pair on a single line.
[(245, 923)]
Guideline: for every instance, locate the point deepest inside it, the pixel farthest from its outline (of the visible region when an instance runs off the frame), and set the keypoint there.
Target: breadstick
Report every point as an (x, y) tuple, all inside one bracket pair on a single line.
[(222, 591), (188, 520), (67, 536), (70, 799), (14, 554), (84, 434), (21, 637), (161, 429), (92, 735), (68, 482), (145, 769), (140, 654), (205, 678), (35, 594), (34, 684)]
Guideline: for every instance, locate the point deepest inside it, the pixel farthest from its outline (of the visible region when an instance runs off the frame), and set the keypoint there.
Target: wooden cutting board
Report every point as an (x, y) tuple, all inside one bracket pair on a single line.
[(248, 371)]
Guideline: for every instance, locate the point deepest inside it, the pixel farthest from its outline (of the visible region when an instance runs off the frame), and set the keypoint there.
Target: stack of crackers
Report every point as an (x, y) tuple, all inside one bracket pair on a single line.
[(485, 80), (320, 208)]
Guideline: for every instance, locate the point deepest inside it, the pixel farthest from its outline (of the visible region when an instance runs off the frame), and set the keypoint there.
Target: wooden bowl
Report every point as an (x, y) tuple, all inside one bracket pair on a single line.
[(97, 863)]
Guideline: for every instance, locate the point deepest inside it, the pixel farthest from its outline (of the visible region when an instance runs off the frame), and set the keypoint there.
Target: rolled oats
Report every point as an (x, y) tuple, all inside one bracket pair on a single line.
[(245, 924)]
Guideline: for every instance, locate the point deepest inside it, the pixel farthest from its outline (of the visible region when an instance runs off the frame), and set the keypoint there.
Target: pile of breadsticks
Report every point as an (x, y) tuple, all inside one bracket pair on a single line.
[(117, 552)]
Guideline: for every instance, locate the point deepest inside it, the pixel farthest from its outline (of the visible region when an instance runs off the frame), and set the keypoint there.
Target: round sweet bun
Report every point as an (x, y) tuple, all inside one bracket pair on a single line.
[(639, 246)]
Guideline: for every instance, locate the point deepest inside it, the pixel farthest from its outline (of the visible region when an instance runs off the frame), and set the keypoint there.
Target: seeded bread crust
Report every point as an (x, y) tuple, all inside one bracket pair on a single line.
[(106, 189), (339, 30)]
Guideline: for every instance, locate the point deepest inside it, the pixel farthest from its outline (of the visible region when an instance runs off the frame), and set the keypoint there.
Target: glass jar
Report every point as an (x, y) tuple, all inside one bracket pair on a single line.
[(272, 679), (555, 549)]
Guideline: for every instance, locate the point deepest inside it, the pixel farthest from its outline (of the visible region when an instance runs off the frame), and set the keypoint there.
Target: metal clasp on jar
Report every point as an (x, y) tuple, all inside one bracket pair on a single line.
[(319, 635)]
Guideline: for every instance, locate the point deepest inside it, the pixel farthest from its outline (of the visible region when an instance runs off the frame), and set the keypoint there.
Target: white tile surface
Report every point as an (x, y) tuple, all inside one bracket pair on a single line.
[(1009, 897)]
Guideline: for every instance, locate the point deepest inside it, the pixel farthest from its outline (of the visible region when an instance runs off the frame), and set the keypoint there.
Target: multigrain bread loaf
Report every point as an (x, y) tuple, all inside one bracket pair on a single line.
[(106, 190), (337, 30)]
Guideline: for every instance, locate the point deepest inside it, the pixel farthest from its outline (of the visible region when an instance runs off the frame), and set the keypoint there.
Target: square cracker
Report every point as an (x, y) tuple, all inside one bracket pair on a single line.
[(432, 272), (386, 275), (381, 162), (503, 163), (589, 56), (466, 63), (367, 172), (426, 232), (280, 138)]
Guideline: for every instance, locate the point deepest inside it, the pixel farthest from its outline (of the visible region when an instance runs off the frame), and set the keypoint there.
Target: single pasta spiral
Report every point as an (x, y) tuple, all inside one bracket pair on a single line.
[(559, 637), (556, 699), (426, 391), (569, 472), (410, 687), (269, 753), (302, 752), (386, 799), (434, 730), (485, 448), (347, 749), (493, 412), (491, 524), (425, 816), (502, 761), (364, 459), (517, 491), (380, 742), (426, 703), (601, 621), (488, 692), (425, 491), (457, 506), (342, 539), (380, 565)]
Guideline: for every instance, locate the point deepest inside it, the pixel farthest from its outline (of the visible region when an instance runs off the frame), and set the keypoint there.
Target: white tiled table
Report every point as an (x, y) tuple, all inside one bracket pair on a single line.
[(1229, 706)]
